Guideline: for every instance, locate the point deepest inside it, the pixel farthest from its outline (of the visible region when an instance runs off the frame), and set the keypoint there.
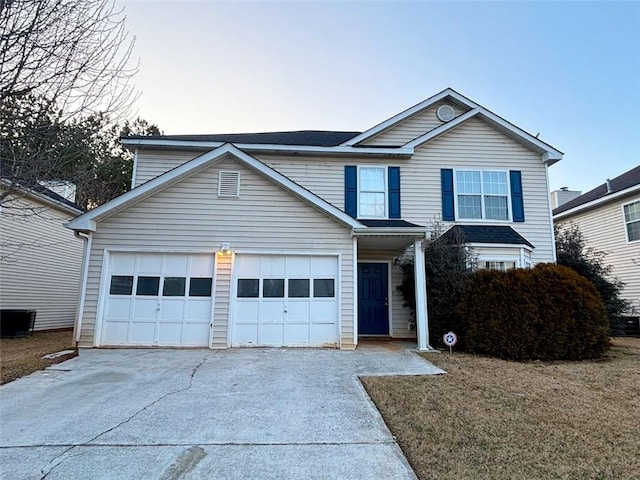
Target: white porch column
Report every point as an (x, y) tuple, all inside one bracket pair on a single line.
[(422, 320)]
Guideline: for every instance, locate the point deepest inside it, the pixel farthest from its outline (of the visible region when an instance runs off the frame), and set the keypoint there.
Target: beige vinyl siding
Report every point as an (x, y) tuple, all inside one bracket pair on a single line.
[(151, 163), (190, 216), (400, 316), (40, 263), (224, 269), (412, 127), (604, 229), (474, 144)]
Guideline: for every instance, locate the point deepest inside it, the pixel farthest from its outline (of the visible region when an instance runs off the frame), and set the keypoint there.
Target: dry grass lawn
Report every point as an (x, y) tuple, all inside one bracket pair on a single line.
[(22, 356), (495, 419)]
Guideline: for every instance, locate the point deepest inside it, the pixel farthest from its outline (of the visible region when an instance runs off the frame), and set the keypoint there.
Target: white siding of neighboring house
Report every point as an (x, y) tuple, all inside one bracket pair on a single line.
[(151, 163), (473, 144), (40, 263), (411, 127), (603, 228), (189, 215)]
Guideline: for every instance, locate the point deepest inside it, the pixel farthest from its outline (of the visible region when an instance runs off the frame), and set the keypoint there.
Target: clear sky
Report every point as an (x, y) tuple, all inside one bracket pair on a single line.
[(568, 70)]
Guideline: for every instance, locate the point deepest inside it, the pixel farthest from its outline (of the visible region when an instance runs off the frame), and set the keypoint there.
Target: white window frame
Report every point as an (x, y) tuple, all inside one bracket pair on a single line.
[(624, 221), (385, 169), (482, 195), (487, 260)]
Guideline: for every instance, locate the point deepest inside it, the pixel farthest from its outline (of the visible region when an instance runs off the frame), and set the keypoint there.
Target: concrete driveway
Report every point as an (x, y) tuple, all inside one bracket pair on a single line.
[(204, 414)]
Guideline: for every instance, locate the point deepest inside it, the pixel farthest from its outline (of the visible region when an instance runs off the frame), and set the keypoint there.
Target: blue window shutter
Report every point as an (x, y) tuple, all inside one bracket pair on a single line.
[(517, 201), (351, 190), (394, 192), (446, 179)]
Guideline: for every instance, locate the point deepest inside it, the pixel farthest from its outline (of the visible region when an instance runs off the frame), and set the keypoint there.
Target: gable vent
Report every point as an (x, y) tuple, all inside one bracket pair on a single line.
[(229, 184)]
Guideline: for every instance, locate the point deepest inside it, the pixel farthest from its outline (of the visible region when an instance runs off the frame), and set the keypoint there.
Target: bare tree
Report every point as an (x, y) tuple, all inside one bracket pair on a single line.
[(63, 63)]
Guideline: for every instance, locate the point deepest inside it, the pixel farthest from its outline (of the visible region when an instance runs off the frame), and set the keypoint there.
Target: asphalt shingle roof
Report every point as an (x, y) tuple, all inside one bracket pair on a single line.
[(316, 138), (487, 234), (622, 182)]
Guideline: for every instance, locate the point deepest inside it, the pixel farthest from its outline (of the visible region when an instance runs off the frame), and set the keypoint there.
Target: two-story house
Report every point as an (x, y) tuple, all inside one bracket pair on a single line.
[(289, 238), (608, 217)]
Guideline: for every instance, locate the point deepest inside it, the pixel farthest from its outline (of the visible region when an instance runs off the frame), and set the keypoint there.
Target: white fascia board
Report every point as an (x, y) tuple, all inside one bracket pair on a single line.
[(501, 245), (445, 127), (87, 222), (597, 202), (400, 152), (405, 114), (390, 231)]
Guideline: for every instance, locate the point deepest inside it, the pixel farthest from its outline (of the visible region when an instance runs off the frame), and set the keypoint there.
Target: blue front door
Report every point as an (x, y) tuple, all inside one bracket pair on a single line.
[(373, 301)]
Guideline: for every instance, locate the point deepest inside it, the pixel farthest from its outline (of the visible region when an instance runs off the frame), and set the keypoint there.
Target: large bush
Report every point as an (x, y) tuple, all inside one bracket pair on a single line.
[(448, 262), (548, 312)]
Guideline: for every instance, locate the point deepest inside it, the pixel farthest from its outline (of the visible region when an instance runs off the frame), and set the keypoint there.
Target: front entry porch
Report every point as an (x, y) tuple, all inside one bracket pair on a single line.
[(380, 307)]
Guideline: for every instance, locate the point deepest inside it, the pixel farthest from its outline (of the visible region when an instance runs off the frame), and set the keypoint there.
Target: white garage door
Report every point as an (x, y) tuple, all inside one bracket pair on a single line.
[(158, 299), (285, 301)]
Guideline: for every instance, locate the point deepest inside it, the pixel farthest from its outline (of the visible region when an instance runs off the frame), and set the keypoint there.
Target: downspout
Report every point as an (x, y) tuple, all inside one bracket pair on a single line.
[(83, 284), (134, 170)]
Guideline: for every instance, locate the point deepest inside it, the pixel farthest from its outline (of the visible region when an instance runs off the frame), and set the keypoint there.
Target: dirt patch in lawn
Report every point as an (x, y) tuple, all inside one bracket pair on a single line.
[(495, 419), (22, 356)]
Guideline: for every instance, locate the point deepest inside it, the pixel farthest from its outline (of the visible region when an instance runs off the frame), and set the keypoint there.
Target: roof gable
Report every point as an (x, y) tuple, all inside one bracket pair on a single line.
[(617, 186), (88, 221), (549, 153)]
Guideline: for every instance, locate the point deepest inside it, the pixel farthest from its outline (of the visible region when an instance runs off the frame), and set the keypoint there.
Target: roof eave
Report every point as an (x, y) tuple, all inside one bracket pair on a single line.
[(396, 152), (597, 202)]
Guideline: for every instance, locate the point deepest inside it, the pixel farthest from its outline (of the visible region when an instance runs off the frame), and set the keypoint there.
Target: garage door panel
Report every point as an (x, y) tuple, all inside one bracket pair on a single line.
[(271, 334), (272, 311), (176, 264), (284, 316), (119, 308), (193, 334), (143, 333), (273, 267), (296, 334), (168, 333), (323, 267), (244, 334), (144, 309), (150, 264), (298, 267), (171, 310), (198, 311), (323, 311), (201, 266), (323, 333), (169, 314), (247, 266), (246, 311), (123, 263), (116, 333), (298, 311)]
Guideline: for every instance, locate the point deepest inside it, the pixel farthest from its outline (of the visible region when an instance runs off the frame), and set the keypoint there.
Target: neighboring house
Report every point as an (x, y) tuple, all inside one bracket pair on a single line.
[(289, 238), (40, 259), (609, 218)]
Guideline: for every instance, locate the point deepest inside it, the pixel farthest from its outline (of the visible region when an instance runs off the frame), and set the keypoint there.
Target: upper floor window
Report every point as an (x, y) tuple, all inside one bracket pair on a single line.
[(632, 220), (372, 192), (482, 195)]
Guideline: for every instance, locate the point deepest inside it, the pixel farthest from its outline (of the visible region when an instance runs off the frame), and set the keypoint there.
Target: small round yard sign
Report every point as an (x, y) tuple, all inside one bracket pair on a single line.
[(450, 339)]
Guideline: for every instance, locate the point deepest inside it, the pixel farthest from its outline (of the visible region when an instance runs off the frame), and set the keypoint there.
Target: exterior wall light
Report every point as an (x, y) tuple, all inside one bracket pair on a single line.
[(225, 249)]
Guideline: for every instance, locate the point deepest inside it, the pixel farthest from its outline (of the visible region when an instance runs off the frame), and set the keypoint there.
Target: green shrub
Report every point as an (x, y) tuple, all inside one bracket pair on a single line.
[(548, 312)]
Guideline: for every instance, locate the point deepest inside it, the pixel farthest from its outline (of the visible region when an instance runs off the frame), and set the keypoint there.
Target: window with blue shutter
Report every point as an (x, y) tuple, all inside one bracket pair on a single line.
[(517, 201), (446, 180), (351, 190), (394, 192)]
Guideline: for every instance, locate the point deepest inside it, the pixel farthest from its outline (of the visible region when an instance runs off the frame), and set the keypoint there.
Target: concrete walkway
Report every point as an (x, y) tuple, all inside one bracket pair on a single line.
[(204, 414)]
